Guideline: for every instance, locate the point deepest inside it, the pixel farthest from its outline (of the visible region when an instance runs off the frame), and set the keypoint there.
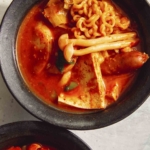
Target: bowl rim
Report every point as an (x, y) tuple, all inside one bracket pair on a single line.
[(94, 120), (38, 129)]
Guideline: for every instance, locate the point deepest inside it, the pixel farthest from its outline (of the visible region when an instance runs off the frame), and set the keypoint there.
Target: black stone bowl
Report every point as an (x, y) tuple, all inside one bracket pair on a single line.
[(28, 132), (138, 11)]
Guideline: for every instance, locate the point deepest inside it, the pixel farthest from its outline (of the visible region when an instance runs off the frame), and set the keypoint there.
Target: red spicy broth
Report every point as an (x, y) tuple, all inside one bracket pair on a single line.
[(44, 82)]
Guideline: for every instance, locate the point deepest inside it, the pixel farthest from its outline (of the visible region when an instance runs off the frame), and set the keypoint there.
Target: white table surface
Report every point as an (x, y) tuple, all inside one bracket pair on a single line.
[(132, 133)]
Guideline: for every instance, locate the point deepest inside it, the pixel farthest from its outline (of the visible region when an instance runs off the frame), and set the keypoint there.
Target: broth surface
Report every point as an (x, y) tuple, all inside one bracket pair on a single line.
[(42, 70)]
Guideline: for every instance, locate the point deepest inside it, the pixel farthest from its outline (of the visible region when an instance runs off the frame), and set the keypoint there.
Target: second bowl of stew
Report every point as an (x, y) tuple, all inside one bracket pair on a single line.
[(36, 135)]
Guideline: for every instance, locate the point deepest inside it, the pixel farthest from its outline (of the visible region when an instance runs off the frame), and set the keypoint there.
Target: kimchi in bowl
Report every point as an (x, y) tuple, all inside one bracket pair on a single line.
[(32, 135), (77, 64)]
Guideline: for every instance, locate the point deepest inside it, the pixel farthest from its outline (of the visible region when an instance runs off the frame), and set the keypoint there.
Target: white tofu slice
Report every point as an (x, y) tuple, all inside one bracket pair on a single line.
[(91, 91), (116, 85)]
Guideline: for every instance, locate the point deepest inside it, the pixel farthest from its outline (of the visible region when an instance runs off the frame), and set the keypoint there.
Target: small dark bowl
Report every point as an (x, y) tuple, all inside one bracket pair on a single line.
[(28, 132), (139, 11)]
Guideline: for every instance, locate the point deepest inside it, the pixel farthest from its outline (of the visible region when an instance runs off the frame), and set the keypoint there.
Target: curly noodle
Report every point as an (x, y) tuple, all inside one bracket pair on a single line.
[(96, 18)]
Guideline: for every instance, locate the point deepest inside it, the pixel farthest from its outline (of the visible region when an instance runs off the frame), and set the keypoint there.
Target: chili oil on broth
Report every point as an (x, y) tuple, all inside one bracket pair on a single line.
[(43, 84)]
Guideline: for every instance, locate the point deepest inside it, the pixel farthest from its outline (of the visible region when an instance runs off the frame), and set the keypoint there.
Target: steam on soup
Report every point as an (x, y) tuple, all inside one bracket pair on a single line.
[(79, 53)]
